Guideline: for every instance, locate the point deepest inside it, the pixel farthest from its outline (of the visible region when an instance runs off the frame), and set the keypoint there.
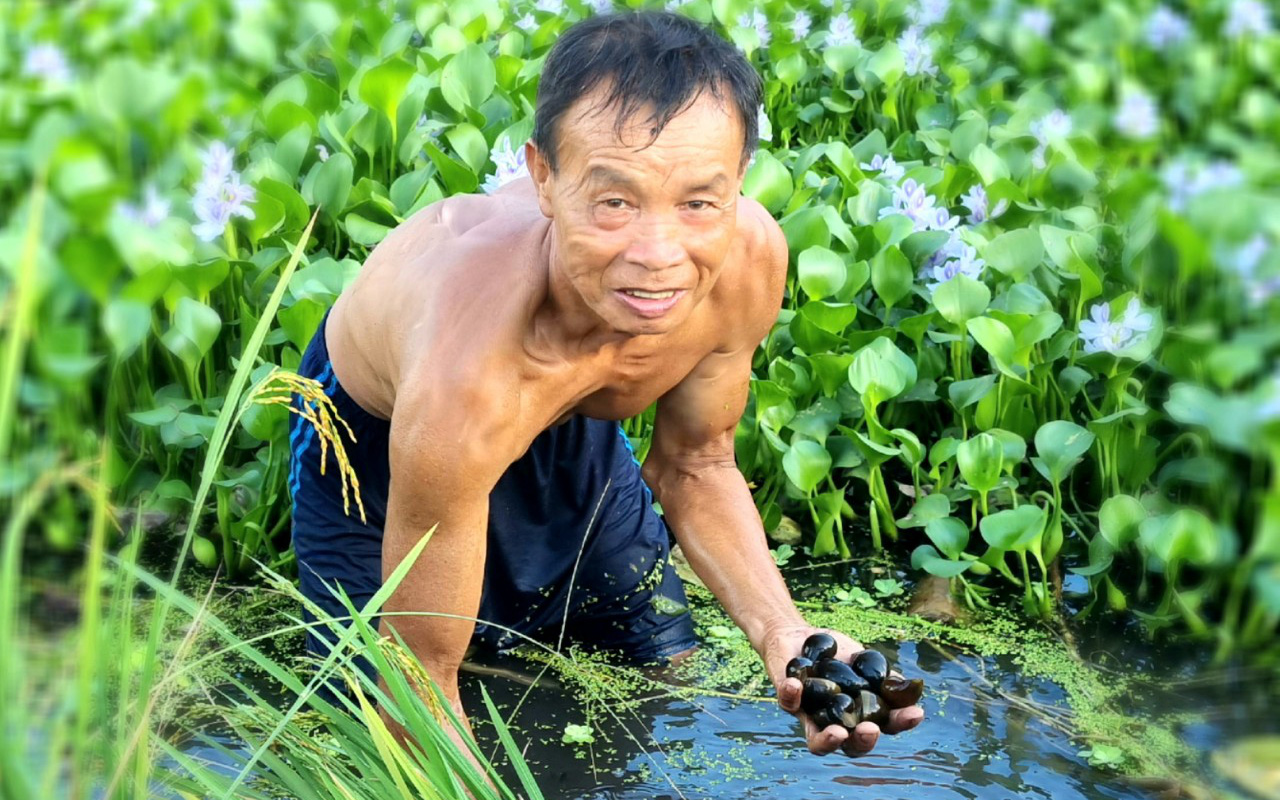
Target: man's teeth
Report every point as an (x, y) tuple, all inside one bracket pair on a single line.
[(650, 295)]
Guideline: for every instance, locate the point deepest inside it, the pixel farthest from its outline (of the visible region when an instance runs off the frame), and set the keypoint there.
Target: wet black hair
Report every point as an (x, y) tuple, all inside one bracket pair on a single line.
[(650, 60)]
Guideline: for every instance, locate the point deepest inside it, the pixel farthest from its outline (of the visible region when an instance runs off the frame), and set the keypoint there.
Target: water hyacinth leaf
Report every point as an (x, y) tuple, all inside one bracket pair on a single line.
[(364, 231), (926, 558), (844, 453), (791, 69), (830, 317), (468, 79), (333, 183), (469, 143), (881, 371), (1118, 520), (841, 58), (892, 230), (980, 460), (1013, 446), (1013, 529), (887, 64), (990, 166), (768, 182), (1022, 298), (818, 420), (909, 445), (961, 299), (810, 337), (943, 451), (1186, 535), (126, 323), (1015, 253), (891, 275), (821, 272), (1101, 557), (194, 330), (927, 509), (967, 392), (1059, 446), (967, 135), (948, 534), (806, 463), (996, 338), (806, 228), (268, 217), (457, 178), (301, 320), (774, 406), (831, 370)]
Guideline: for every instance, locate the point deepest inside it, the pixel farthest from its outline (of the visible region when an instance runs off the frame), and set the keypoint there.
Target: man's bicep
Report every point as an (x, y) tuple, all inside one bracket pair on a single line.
[(698, 417)]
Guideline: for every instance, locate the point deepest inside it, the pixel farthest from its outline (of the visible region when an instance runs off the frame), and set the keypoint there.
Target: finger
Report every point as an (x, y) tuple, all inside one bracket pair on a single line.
[(904, 719), (862, 739), (826, 741), (789, 695)]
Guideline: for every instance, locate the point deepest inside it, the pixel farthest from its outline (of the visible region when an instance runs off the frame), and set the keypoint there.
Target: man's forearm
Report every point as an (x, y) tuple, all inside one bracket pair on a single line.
[(714, 519)]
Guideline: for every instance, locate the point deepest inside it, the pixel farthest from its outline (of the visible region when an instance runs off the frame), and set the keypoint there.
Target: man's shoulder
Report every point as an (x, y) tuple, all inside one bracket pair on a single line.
[(453, 218)]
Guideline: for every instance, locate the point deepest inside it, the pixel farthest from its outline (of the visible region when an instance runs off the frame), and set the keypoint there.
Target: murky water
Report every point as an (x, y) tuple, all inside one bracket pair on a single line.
[(989, 732)]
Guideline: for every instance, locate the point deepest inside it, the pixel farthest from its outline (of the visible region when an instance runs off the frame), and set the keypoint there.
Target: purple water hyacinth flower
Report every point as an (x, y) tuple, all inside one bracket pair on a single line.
[(219, 162), (976, 201), (46, 62), (842, 33), (1247, 17), (1184, 181), (929, 12), (913, 202), (1244, 262), (1037, 20), (801, 26), (322, 152), (959, 258), (1102, 334), (510, 165), (764, 127), (828, 4), (153, 211), (757, 21), (1165, 28), (216, 205), (527, 23), (889, 169), (553, 7), (917, 54), (1049, 129), (1138, 117), (601, 6)]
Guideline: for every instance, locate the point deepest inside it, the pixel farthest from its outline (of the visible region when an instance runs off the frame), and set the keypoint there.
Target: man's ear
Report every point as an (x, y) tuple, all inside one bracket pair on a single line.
[(542, 176)]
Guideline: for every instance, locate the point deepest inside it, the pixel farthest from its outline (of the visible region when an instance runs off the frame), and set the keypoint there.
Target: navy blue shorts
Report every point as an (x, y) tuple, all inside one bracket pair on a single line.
[(625, 595)]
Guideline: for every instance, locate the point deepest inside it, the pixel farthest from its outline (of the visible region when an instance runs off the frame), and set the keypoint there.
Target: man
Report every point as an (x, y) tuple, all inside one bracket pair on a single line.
[(490, 344)]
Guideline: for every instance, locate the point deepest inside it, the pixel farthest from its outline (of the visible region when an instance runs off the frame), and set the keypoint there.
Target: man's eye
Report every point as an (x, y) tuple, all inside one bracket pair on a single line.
[(615, 203), (699, 205)]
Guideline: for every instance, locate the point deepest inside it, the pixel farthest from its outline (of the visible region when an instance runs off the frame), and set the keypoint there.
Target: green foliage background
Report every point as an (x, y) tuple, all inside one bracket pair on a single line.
[(963, 427)]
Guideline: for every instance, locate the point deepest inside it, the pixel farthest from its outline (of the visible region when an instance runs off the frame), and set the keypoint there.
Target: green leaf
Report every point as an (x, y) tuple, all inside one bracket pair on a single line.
[(926, 509), (126, 323), (383, 87), (806, 228), (881, 371), (980, 460), (1013, 529), (926, 558), (806, 463), (961, 299), (768, 182), (1015, 253), (1059, 446), (949, 535), (1186, 535), (333, 183), (965, 393), (364, 231), (821, 272), (468, 79), (891, 275), (194, 330), (1118, 520), (989, 165), (468, 142)]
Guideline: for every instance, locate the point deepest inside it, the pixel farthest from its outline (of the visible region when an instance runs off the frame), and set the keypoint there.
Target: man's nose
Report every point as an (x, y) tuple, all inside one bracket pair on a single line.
[(656, 245)]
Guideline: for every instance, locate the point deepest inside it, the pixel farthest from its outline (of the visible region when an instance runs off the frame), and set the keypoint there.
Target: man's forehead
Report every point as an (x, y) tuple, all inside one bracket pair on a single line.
[(592, 116)]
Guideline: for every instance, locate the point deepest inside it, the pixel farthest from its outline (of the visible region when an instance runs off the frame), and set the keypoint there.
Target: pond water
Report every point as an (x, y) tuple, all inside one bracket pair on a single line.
[(989, 732)]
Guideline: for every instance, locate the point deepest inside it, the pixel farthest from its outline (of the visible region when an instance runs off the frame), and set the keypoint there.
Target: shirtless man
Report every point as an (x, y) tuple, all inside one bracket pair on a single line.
[(490, 344)]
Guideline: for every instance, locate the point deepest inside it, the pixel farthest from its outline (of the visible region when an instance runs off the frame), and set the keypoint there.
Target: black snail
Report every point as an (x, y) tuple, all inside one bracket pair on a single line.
[(836, 693)]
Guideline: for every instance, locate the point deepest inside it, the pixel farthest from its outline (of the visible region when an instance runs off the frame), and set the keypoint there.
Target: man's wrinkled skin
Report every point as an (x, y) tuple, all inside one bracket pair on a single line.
[(482, 321)]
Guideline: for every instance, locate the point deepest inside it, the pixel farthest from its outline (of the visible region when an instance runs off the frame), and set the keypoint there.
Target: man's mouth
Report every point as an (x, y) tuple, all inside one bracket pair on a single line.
[(650, 304), (650, 295)]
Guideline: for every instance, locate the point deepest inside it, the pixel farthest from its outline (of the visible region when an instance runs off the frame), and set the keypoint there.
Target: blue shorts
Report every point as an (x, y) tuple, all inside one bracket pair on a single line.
[(625, 595)]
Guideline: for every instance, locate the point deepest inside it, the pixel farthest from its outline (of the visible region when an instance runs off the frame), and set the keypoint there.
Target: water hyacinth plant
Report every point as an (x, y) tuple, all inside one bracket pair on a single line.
[(1021, 337)]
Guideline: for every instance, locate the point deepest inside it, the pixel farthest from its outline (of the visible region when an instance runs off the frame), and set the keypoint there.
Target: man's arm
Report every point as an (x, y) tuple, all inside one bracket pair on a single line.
[(445, 460), (693, 474)]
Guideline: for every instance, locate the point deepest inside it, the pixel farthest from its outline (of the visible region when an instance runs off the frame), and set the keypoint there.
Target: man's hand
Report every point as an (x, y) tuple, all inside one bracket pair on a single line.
[(783, 644)]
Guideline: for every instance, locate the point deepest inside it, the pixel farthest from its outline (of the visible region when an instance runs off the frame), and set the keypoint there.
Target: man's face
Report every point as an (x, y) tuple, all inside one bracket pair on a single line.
[(643, 231)]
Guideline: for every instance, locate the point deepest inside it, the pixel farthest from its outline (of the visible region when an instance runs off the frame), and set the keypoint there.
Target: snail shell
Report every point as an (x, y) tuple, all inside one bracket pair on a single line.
[(799, 667), (899, 692), (843, 675), (872, 666), (819, 646), (818, 693)]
